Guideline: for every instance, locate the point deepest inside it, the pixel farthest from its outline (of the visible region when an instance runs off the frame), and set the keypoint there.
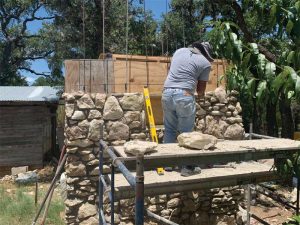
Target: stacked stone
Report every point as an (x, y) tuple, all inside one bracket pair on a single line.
[(215, 206), (122, 118), (219, 114)]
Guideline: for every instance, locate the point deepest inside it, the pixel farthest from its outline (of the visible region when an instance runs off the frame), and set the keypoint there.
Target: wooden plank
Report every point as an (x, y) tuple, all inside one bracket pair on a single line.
[(157, 109), (84, 75), (158, 70), (142, 70), (71, 76), (173, 182), (97, 76), (22, 134), (110, 76), (222, 147), (88, 75), (21, 155)]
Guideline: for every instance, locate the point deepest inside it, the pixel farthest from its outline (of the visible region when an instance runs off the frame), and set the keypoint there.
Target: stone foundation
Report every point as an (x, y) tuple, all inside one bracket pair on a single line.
[(216, 206), (123, 119)]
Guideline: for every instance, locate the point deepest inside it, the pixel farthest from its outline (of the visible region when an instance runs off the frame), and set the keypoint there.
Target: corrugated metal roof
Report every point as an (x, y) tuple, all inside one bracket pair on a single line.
[(29, 94)]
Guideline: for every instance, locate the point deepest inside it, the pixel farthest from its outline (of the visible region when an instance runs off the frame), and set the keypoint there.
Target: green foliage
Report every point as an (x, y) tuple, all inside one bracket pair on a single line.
[(289, 166), (19, 208), (46, 81), (261, 81), (294, 220)]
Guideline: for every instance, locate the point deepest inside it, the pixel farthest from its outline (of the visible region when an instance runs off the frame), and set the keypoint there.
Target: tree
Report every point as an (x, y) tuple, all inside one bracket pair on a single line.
[(78, 29), (18, 46), (42, 81), (265, 55)]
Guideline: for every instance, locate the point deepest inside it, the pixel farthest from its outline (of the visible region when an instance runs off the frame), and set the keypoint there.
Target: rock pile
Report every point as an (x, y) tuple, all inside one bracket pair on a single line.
[(215, 206), (219, 114)]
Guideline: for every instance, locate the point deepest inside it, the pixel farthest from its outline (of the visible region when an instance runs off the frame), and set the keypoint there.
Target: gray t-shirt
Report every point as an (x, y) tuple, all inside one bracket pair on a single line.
[(186, 69)]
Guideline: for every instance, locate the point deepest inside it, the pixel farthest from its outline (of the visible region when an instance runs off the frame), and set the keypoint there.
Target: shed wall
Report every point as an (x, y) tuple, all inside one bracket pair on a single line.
[(25, 135)]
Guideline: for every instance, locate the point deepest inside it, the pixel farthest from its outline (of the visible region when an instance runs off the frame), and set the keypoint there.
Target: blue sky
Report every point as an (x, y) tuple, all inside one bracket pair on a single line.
[(158, 7)]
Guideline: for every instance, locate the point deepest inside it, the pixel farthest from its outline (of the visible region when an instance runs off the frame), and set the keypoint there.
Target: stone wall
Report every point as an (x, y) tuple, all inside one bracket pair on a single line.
[(215, 207), (123, 118), (219, 114)]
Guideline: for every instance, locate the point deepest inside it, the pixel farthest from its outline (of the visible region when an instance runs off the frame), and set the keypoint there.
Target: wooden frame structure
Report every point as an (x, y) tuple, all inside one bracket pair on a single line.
[(126, 74)]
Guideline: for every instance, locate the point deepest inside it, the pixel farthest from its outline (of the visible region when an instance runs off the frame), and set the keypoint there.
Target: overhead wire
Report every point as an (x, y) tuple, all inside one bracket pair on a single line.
[(167, 37), (127, 31), (105, 70), (84, 46), (146, 42)]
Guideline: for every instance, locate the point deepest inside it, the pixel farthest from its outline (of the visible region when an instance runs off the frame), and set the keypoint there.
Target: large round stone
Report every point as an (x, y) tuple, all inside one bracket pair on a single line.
[(196, 140), (118, 131), (94, 130), (75, 132), (69, 108), (234, 132), (132, 116), (132, 102), (75, 169), (85, 102), (78, 115), (112, 109), (100, 100), (220, 93), (86, 210)]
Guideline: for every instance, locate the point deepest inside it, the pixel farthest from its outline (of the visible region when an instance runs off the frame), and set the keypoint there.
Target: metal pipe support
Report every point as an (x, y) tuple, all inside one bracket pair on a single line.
[(118, 163), (139, 190), (159, 218)]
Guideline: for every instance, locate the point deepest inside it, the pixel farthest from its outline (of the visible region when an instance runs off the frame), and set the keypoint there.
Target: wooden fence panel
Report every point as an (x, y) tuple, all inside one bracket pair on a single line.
[(126, 74)]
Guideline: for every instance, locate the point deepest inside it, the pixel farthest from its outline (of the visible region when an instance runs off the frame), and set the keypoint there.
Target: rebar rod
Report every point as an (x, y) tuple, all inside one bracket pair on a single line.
[(62, 153), (112, 192), (275, 197), (262, 136), (50, 188), (159, 218), (100, 190)]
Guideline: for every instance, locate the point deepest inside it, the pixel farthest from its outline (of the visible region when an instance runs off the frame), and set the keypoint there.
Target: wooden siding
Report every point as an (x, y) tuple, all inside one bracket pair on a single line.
[(25, 135), (91, 76), (126, 74)]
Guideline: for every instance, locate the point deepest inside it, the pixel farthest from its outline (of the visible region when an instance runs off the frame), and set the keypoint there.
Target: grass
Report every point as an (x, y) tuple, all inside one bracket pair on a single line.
[(17, 205)]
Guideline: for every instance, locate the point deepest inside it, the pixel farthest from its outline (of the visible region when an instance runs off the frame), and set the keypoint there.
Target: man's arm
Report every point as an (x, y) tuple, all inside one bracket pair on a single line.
[(201, 86)]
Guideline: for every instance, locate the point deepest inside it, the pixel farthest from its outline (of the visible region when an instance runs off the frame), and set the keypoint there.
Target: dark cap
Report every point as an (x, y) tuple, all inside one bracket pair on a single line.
[(205, 48)]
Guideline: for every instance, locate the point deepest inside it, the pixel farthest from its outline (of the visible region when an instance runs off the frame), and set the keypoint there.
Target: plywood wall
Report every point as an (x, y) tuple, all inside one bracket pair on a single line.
[(138, 71), (126, 74), (89, 75)]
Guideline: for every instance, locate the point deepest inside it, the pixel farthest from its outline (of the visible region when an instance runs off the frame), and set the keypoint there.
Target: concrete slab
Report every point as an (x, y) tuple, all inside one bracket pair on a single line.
[(20, 169)]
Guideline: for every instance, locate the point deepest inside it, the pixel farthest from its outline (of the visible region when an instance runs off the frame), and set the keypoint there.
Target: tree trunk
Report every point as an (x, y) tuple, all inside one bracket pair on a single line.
[(272, 128), (287, 122)]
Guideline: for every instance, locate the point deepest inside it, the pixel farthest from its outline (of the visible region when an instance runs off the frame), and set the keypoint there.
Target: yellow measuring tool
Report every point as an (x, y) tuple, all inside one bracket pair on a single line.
[(153, 133)]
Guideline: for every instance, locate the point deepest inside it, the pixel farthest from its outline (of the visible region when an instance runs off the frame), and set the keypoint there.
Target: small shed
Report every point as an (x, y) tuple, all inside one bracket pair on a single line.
[(27, 124)]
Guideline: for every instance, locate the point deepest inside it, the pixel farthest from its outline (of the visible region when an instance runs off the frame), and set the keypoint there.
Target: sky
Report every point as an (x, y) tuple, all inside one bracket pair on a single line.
[(158, 7)]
